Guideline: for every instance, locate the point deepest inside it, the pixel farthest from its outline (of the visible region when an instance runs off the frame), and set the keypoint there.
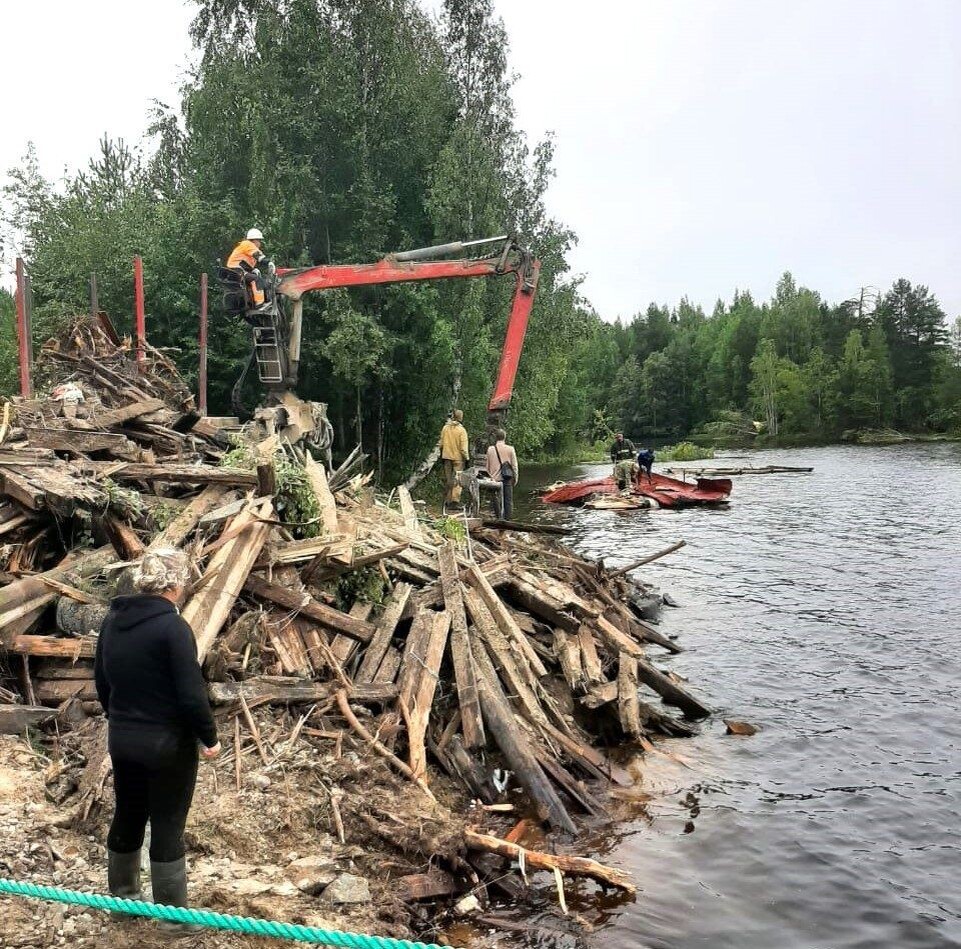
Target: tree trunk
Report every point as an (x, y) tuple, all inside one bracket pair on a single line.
[(360, 420)]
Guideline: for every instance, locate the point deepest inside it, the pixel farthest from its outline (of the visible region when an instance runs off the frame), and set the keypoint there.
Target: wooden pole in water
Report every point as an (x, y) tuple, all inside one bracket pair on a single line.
[(648, 559)]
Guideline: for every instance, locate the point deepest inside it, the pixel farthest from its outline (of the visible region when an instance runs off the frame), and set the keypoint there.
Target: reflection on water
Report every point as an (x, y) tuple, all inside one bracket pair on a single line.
[(823, 608)]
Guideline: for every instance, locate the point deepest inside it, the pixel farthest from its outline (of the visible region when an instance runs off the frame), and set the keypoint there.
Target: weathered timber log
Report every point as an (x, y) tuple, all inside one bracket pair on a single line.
[(53, 692), (208, 609), (419, 709), (187, 474), (317, 477), (628, 706), (568, 652), (465, 674), (64, 439), (177, 531), (313, 609), (502, 616), (425, 886), (573, 788), (589, 759), (652, 677), (386, 627), (83, 647), (502, 525), (31, 594), (279, 690), (78, 619), (575, 866), (14, 719), (505, 657), (22, 490), (590, 661), (516, 746), (408, 511), (122, 537)]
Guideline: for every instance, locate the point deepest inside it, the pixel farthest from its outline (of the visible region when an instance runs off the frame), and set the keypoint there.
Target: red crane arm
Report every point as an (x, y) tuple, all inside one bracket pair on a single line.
[(295, 283)]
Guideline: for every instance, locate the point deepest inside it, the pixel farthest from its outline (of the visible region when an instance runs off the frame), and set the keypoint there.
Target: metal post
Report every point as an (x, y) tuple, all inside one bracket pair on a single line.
[(140, 318), (25, 348), (94, 299), (202, 370)]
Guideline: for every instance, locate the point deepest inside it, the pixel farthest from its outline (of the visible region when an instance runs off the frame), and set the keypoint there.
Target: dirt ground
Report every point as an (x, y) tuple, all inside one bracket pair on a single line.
[(241, 846)]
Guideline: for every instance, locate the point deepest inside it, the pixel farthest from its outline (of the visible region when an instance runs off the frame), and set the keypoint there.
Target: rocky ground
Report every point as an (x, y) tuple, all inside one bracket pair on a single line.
[(259, 852)]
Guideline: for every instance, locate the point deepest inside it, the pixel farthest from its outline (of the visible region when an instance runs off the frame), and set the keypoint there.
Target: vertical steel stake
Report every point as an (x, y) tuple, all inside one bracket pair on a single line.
[(25, 347), (140, 317), (202, 369)]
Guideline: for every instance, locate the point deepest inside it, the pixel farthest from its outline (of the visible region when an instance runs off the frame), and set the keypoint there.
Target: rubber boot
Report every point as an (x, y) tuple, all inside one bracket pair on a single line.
[(169, 886), (123, 874)]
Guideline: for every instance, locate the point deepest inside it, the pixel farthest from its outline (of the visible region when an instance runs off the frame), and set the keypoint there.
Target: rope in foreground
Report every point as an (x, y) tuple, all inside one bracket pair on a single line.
[(208, 918)]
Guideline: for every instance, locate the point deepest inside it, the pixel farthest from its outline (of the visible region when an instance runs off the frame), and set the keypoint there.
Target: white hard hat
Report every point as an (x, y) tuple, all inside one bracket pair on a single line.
[(254, 234)]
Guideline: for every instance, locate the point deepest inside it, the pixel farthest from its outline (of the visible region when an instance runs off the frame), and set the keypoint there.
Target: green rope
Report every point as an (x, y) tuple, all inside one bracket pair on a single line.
[(208, 918)]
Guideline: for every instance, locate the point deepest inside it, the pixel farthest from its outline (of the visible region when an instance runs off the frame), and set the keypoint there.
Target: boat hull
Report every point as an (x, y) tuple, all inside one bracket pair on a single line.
[(667, 492)]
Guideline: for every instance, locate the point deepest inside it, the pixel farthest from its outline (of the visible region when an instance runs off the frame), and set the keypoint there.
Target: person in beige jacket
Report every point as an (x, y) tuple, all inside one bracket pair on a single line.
[(454, 453), (502, 467)]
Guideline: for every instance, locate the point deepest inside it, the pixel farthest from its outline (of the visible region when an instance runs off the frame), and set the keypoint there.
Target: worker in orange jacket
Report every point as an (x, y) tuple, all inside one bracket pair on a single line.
[(250, 262)]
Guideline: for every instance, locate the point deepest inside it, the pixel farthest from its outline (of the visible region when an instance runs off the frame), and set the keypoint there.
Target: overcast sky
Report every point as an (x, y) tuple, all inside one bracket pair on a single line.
[(701, 145)]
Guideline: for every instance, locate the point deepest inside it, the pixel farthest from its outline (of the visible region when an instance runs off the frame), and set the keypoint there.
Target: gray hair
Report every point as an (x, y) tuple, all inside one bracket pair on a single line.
[(165, 568), (500, 434)]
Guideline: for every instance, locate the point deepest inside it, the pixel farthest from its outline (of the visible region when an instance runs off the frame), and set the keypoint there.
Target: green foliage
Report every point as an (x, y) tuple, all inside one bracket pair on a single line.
[(364, 585), (684, 451), (451, 528), (377, 127)]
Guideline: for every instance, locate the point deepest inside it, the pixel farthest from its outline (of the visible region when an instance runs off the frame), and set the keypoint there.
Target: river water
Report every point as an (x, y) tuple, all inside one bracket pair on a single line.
[(824, 609)]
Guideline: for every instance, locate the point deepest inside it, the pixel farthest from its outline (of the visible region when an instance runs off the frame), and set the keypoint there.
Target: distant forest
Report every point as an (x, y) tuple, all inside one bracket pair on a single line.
[(375, 127)]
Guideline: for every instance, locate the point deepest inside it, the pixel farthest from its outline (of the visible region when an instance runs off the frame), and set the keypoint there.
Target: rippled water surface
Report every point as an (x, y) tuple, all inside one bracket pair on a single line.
[(823, 608)]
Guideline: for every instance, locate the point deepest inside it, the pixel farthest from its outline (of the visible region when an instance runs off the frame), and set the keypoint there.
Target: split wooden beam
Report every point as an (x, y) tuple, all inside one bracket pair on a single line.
[(208, 609), (187, 474), (386, 627), (14, 719), (304, 603), (280, 690), (502, 617), (55, 647), (465, 674), (507, 660), (516, 746), (317, 478), (628, 704), (423, 691), (122, 537), (647, 673), (177, 531), (409, 512)]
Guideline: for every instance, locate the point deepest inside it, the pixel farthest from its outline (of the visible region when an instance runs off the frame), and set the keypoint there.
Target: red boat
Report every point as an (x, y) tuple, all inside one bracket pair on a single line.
[(667, 492)]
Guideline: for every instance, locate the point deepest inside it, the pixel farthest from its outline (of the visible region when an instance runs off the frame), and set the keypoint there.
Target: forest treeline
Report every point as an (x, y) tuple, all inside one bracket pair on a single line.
[(345, 129)]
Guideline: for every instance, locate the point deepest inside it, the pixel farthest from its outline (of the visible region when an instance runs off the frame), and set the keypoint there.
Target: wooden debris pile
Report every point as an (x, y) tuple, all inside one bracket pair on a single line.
[(456, 653)]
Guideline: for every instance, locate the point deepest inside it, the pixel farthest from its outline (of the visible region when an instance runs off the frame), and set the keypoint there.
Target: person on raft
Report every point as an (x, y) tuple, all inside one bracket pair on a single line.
[(622, 456), (158, 721), (645, 461)]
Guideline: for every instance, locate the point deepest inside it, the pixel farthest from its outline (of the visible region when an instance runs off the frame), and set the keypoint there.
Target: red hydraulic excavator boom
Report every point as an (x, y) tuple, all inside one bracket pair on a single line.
[(277, 330), (423, 264)]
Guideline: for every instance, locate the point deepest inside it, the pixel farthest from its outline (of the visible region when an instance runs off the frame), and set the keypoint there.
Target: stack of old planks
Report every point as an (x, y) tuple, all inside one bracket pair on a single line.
[(442, 646)]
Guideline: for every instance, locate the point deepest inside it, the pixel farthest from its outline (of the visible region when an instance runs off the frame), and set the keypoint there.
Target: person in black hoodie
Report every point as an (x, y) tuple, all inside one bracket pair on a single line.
[(159, 719)]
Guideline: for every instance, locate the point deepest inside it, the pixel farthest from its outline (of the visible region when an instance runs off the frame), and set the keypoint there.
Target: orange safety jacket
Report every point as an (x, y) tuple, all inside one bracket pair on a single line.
[(245, 256)]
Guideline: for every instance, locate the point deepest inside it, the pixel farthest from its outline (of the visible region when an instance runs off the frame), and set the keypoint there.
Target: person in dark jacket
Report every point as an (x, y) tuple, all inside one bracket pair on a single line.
[(622, 456), (645, 461), (159, 720)]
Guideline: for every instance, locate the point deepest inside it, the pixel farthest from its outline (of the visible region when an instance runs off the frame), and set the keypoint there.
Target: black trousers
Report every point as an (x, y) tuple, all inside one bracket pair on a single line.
[(154, 775)]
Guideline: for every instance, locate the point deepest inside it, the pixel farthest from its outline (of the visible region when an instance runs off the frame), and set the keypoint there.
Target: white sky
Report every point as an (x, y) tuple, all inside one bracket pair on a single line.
[(702, 145)]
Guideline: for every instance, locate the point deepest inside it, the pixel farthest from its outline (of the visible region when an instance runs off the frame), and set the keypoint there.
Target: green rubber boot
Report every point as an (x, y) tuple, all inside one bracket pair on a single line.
[(169, 886), (123, 875)]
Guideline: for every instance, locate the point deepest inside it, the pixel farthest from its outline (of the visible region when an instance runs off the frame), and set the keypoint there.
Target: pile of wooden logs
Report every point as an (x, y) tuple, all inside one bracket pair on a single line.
[(442, 645)]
